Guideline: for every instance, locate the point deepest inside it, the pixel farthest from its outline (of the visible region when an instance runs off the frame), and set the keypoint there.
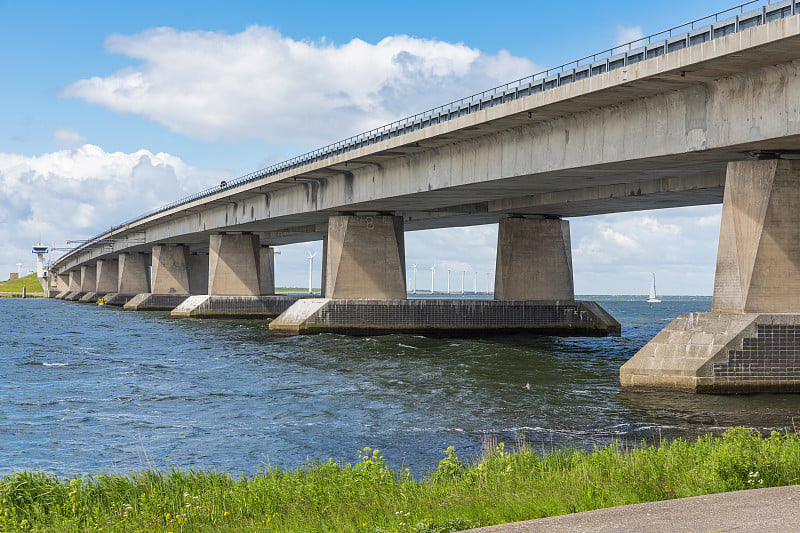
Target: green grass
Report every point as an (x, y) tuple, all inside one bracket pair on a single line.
[(30, 282), (369, 497)]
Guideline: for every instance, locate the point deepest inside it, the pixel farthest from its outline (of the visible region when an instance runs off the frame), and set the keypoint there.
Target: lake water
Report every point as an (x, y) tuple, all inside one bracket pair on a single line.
[(87, 389)]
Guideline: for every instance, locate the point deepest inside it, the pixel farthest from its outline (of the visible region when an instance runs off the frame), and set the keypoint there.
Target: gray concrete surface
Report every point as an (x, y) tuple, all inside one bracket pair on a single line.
[(751, 511)]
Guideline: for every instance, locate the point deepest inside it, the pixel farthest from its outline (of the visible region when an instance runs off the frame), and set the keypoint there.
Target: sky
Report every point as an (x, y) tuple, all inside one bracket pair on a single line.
[(110, 109)]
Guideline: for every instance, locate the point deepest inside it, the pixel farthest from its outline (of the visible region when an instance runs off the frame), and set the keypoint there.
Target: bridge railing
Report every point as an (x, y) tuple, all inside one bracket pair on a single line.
[(731, 20)]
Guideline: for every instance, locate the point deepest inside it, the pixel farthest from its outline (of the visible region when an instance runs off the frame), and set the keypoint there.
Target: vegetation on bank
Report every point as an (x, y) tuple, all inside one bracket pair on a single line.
[(29, 282), (369, 497)]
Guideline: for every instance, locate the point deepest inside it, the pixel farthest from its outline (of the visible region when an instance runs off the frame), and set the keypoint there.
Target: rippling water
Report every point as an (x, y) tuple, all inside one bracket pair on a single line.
[(89, 389)]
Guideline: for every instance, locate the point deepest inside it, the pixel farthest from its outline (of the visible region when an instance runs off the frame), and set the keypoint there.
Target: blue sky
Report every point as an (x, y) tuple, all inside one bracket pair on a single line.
[(111, 109)]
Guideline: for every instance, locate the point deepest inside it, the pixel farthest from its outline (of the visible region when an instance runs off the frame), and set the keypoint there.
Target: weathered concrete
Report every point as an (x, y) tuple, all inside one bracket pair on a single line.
[(758, 260), (88, 278), (170, 271), (212, 306), (62, 282), (534, 260), (107, 276), (90, 297), (155, 302), (74, 296), (365, 258), (60, 295), (742, 345), (116, 299), (234, 263), (198, 273), (74, 281), (444, 318), (132, 274)]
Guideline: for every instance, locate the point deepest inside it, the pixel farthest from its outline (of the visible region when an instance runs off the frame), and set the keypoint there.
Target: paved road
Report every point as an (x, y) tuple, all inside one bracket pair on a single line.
[(759, 511)]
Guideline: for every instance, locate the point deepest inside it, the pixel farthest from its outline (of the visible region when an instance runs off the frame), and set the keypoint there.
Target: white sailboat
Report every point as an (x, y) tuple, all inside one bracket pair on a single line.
[(653, 298)]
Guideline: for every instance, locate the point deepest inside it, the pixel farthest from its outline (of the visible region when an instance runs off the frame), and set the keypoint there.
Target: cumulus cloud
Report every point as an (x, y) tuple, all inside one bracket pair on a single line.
[(616, 253), (74, 194), (66, 138), (261, 84), (626, 34)]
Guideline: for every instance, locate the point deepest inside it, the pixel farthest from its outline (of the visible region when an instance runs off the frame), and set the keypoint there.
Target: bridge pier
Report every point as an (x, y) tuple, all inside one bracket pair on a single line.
[(131, 278), (534, 260), (62, 286), (88, 283), (365, 258), (74, 286), (365, 287), (107, 278), (170, 280), (240, 281), (750, 341)]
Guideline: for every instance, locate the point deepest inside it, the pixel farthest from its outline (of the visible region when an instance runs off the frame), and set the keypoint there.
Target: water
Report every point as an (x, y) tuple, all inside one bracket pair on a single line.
[(89, 389)]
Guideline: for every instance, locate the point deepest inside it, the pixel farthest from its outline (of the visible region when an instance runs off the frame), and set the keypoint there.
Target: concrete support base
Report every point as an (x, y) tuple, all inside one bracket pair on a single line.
[(462, 318), (116, 299), (90, 297), (210, 306), (155, 302), (61, 295), (719, 353), (74, 296)]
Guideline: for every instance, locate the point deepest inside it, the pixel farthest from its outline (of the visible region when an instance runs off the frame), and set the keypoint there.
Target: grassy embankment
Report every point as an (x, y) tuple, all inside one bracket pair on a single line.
[(369, 497), (14, 286)]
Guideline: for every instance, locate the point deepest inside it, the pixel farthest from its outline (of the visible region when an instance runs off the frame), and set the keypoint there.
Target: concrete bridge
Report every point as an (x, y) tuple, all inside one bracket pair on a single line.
[(706, 113)]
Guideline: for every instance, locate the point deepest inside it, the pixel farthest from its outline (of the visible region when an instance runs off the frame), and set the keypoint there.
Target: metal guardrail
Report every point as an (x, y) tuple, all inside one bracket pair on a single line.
[(698, 31)]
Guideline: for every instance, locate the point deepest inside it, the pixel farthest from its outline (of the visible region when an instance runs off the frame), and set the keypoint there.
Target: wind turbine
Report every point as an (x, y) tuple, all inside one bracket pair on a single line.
[(463, 273), (310, 268), (19, 269), (433, 277), (414, 279), (448, 281)]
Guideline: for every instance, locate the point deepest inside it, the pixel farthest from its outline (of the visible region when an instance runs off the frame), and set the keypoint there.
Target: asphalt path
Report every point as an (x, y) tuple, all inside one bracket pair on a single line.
[(775, 509)]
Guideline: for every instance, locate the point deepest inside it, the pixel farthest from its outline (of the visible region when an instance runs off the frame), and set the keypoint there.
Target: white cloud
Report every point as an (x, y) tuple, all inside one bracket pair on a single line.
[(74, 194), (259, 83), (626, 34), (616, 253), (66, 138)]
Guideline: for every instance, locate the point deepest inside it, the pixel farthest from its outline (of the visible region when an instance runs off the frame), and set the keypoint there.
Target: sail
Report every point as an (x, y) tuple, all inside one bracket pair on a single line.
[(653, 296)]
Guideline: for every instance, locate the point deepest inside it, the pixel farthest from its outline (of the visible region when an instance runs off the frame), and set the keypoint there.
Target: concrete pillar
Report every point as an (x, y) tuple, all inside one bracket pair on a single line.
[(75, 280), (267, 266), (88, 278), (198, 273), (534, 260), (170, 270), (234, 264), (758, 259), (365, 258), (107, 272), (132, 274), (62, 282)]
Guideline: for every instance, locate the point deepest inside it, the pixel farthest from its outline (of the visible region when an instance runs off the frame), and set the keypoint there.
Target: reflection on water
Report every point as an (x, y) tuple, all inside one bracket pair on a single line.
[(89, 389)]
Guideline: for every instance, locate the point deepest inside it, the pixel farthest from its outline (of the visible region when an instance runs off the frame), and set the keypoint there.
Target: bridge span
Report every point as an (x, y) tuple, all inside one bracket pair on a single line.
[(705, 113)]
